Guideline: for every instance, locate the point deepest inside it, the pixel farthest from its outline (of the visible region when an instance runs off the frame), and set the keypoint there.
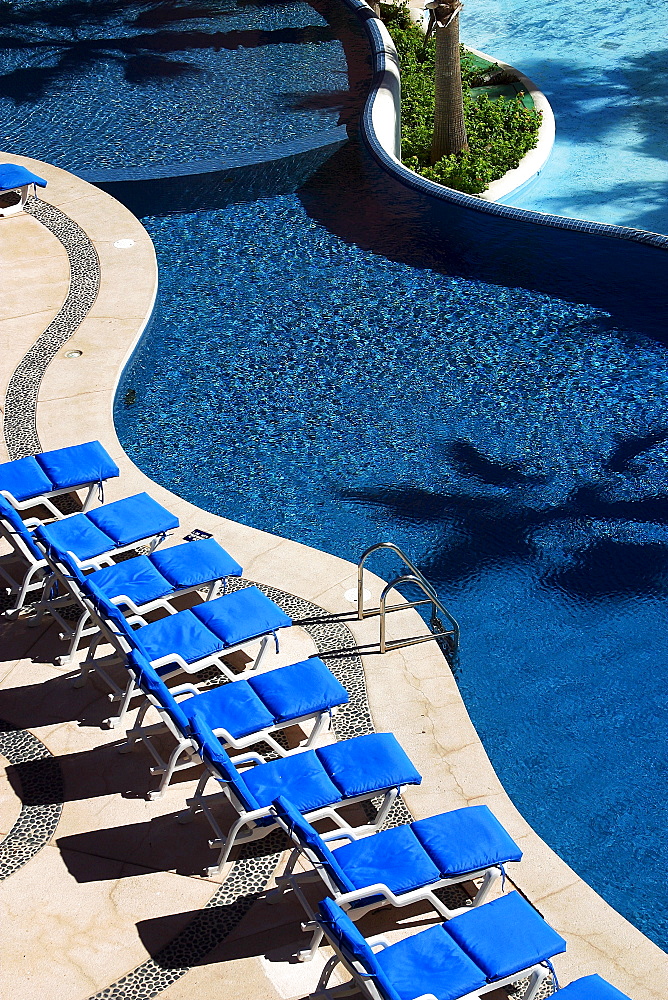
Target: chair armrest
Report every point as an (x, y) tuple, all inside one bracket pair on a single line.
[(378, 889), (162, 661), (333, 835), (247, 758), (180, 689), (378, 941)]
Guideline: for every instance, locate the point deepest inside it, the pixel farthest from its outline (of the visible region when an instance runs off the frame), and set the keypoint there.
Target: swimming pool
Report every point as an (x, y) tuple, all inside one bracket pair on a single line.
[(604, 71), (513, 443), (346, 364), (106, 85)]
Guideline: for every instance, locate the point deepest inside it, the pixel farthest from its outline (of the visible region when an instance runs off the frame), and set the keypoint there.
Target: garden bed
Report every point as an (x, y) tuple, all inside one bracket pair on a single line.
[(502, 124)]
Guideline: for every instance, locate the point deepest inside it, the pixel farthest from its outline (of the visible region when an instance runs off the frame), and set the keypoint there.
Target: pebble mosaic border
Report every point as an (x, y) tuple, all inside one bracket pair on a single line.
[(20, 422), (41, 798)]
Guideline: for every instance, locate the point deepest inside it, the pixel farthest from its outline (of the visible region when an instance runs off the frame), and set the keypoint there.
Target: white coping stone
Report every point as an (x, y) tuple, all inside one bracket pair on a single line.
[(411, 691)]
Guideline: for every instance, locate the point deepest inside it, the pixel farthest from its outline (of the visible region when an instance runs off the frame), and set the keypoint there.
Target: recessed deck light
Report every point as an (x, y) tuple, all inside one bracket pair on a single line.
[(74, 354), (124, 244), (351, 595)]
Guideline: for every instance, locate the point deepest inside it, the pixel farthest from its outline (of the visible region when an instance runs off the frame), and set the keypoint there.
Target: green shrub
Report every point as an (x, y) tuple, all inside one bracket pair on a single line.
[(499, 131)]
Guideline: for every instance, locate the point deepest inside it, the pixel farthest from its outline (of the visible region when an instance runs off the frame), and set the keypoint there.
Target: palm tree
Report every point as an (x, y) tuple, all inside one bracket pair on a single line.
[(449, 128)]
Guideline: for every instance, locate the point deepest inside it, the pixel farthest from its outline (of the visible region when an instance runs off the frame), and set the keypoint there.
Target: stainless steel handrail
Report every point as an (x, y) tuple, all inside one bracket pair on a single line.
[(416, 578)]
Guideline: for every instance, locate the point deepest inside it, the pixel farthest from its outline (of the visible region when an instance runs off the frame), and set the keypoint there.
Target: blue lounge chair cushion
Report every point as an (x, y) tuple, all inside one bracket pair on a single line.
[(428, 962), (309, 836), (233, 706), (591, 988), (505, 936), (465, 840), (215, 753), (367, 763), (78, 464), (16, 524), (301, 776), (299, 689), (348, 937), (128, 520), (182, 633), (195, 563), (135, 578), (151, 683), (24, 479), (76, 534), (394, 857), (241, 615)]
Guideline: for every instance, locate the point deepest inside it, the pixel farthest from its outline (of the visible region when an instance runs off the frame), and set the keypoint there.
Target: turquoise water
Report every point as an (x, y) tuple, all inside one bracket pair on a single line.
[(604, 69)]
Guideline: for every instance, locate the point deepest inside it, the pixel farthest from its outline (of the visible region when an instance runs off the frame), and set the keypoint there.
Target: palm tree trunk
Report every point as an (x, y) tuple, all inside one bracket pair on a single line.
[(449, 129)]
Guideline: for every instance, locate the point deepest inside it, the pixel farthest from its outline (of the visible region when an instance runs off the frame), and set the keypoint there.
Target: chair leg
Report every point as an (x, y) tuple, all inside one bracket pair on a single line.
[(308, 954), (168, 772), (326, 974), (488, 881), (114, 721), (535, 981), (260, 656)]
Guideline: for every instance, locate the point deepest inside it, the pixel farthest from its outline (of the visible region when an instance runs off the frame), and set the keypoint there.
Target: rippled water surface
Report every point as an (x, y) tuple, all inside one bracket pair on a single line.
[(604, 69), (109, 84), (514, 444)]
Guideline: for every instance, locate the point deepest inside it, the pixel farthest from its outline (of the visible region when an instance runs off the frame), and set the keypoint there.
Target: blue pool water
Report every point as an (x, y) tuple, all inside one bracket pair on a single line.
[(604, 69), (513, 443), (109, 85)]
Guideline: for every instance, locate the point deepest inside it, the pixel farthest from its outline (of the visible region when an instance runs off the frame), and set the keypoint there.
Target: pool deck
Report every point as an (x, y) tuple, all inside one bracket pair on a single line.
[(117, 879)]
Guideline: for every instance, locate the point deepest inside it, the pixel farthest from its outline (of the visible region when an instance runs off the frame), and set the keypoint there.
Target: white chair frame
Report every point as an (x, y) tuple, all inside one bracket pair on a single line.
[(245, 829), (346, 900), (186, 747)]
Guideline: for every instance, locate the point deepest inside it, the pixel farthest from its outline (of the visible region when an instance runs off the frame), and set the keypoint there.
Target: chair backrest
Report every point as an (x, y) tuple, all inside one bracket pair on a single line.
[(352, 945), (77, 464), (18, 533), (297, 827), (215, 754), (151, 683), (109, 617)]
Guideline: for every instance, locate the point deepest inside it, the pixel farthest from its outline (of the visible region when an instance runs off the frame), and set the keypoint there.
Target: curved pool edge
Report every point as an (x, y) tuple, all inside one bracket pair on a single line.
[(192, 185), (76, 403), (532, 162), (380, 126)]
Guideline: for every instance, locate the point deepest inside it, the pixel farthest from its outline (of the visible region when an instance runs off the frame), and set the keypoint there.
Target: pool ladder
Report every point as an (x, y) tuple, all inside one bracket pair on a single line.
[(447, 637)]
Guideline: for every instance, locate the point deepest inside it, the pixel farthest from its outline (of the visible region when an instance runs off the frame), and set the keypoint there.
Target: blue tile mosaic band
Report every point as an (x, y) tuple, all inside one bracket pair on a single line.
[(20, 420)]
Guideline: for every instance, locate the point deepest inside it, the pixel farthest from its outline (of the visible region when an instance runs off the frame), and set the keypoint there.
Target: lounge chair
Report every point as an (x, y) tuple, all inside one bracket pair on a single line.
[(318, 782), (474, 953), (398, 866), (27, 482), (240, 714), (95, 539), (590, 988), (187, 641), (138, 585)]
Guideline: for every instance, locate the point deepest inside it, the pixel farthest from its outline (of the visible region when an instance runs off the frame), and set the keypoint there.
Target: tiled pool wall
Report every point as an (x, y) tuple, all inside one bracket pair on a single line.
[(191, 187)]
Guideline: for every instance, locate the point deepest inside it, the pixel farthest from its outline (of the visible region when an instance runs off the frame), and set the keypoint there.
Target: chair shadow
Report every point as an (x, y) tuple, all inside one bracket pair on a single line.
[(158, 844)]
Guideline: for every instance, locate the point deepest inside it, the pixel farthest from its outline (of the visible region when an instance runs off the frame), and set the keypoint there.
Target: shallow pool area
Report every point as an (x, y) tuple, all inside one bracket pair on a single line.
[(513, 443), (603, 69), (80, 83)]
